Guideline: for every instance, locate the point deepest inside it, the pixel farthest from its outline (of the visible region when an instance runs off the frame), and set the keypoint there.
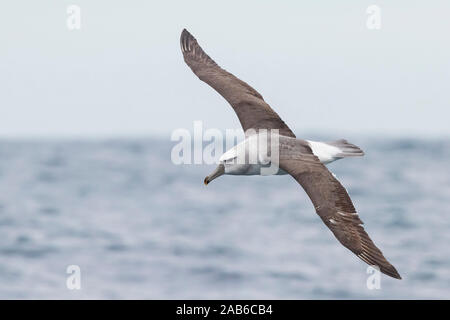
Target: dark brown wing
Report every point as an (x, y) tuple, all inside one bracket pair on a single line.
[(335, 208), (253, 112)]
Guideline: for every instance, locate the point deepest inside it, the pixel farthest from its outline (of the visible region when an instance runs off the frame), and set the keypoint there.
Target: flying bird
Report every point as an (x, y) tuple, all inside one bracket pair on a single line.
[(304, 160)]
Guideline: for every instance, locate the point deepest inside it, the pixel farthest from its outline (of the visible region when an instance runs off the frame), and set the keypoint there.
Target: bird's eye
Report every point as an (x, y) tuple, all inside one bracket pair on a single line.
[(231, 160)]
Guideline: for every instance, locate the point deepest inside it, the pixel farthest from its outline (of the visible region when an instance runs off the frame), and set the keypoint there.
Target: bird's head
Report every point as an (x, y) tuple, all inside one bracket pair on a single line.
[(220, 170)]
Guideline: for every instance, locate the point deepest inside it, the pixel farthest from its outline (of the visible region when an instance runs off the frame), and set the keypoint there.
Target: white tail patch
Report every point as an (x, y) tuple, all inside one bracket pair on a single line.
[(331, 151)]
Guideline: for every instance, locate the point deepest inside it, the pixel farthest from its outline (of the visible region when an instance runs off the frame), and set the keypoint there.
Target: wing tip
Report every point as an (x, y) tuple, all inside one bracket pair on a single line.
[(378, 261), (192, 50), (387, 268), (392, 272), (185, 33), (185, 40)]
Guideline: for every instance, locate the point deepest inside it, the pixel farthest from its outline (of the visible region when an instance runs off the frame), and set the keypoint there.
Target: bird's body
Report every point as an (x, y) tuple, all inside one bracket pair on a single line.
[(280, 149), (248, 150), (326, 152)]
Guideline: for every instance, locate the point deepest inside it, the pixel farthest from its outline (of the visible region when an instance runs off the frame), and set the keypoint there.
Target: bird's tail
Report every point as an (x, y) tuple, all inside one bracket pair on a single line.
[(346, 149)]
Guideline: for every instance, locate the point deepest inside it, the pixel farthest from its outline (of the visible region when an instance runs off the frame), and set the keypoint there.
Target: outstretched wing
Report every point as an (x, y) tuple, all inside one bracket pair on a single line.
[(253, 112), (335, 208)]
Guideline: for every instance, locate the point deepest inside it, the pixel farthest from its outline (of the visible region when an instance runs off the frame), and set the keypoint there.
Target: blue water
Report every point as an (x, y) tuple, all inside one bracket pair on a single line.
[(140, 227)]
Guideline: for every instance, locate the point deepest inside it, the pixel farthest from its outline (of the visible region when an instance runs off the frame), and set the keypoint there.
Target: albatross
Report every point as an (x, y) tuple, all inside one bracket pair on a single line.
[(304, 160)]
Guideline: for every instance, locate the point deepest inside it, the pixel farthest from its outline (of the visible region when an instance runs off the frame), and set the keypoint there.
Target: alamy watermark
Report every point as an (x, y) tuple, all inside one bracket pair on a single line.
[(259, 147), (373, 21), (73, 281), (73, 21), (374, 280)]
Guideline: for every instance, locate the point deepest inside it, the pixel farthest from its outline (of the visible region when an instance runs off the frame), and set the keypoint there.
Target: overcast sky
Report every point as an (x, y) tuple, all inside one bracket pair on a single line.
[(315, 62)]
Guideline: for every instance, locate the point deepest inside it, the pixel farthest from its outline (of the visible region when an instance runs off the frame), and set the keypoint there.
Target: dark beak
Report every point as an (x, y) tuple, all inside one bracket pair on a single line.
[(220, 170)]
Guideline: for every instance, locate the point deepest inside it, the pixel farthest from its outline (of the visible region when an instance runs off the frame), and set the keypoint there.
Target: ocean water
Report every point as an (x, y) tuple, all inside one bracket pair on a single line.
[(141, 227)]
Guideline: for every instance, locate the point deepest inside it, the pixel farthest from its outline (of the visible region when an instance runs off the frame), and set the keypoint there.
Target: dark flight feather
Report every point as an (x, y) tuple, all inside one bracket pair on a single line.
[(253, 112)]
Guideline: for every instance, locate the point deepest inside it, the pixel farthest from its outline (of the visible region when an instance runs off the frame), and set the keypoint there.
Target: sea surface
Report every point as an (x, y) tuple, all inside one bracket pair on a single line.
[(140, 227)]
